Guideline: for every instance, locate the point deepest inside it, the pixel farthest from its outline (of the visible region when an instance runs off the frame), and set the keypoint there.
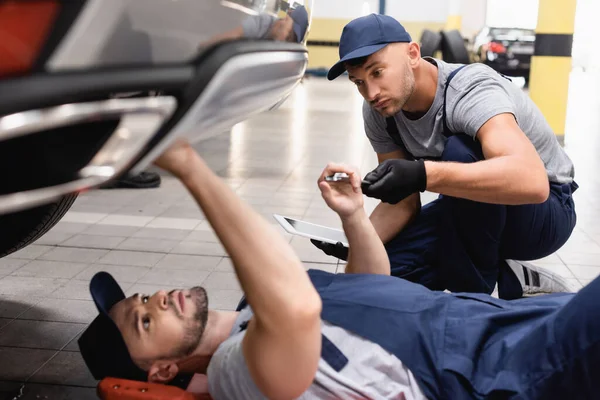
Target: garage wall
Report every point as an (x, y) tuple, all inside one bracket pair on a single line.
[(330, 17)]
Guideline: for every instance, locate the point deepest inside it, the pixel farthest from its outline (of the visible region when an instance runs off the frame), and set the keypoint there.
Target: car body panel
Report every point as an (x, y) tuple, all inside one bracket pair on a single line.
[(126, 32), (215, 62)]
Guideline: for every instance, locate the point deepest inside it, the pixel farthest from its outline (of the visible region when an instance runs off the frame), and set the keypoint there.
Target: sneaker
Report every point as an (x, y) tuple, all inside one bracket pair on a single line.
[(538, 280)]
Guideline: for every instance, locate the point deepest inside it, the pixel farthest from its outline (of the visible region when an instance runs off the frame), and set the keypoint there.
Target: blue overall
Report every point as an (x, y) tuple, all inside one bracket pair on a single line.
[(461, 245), (471, 346)]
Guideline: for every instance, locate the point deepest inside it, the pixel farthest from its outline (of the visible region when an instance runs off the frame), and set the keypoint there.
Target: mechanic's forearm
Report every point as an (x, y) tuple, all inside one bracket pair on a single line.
[(366, 254), (389, 219), (271, 275), (509, 180)]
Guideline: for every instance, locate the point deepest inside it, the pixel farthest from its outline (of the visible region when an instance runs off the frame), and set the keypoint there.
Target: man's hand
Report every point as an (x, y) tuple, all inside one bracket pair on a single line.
[(176, 159), (345, 198), (394, 180)]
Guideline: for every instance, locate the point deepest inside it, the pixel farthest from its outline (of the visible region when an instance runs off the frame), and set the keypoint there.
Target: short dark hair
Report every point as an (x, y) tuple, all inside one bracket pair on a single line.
[(357, 62)]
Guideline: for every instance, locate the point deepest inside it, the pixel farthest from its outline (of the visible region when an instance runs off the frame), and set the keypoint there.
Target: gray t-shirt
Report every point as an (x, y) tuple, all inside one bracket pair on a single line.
[(476, 94), (371, 372), (258, 26)]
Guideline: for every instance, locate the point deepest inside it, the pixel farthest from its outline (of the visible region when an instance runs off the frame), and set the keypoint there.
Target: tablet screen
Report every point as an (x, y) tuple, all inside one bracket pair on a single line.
[(317, 231)]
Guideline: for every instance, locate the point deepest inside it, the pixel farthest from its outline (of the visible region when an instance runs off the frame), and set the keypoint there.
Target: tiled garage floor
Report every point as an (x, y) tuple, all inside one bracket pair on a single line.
[(158, 238)]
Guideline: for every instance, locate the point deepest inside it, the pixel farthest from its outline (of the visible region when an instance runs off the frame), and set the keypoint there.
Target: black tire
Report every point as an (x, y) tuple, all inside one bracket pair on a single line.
[(454, 49), (430, 43), (19, 229)]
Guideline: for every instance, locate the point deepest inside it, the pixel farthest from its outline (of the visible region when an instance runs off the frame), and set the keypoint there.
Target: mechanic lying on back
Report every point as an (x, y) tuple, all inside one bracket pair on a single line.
[(362, 334)]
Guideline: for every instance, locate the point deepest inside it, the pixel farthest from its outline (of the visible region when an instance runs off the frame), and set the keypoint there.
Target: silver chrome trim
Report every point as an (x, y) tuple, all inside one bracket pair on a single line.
[(140, 120), (244, 86)]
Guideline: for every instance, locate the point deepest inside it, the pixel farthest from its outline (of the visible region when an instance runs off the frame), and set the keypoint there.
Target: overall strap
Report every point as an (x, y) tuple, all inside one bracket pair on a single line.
[(447, 131), (330, 353), (392, 130)]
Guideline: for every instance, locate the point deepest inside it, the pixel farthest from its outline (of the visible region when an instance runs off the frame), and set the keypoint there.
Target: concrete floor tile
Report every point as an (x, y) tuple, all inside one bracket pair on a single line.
[(13, 306), (94, 241), (162, 233), (174, 223), (133, 258), (62, 310), (31, 252), (586, 272), (179, 212), (188, 262), (18, 364), (73, 254), (122, 273), (111, 230), (73, 345), (53, 238), (74, 290), (147, 244), (70, 227), (39, 334), (174, 279), (66, 368), (202, 236), (199, 248), (579, 258), (27, 286), (9, 265), (225, 265), (226, 300), (222, 281), (142, 210), (34, 391), (50, 269), (83, 217), (551, 259), (125, 220)]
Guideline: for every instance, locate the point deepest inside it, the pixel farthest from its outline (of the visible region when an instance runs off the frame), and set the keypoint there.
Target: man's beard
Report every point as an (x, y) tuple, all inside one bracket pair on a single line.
[(396, 104), (194, 328)]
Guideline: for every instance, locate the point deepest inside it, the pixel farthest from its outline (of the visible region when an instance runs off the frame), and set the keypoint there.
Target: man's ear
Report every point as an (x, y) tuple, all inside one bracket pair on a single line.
[(414, 53), (162, 372)]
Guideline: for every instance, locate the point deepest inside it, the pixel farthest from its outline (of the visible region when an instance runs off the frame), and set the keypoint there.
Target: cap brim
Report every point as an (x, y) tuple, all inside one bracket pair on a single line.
[(365, 51), (105, 291)]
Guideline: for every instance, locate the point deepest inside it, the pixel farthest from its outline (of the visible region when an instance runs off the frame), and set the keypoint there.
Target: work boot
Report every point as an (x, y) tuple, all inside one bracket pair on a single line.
[(143, 180)]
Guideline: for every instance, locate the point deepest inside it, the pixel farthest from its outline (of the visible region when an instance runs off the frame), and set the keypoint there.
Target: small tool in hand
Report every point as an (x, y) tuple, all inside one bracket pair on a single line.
[(338, 177)]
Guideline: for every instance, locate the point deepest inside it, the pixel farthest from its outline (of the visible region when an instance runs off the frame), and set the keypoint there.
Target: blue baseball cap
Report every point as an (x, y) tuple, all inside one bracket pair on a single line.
[(365, 36), (300, 18)]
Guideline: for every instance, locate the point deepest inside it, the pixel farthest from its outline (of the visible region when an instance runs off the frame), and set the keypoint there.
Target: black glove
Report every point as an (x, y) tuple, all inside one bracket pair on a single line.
[(337, 250), (394, 180)]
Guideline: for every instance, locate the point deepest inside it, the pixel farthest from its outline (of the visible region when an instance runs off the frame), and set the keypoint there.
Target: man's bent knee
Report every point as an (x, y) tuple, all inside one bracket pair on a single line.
[(463, 149)]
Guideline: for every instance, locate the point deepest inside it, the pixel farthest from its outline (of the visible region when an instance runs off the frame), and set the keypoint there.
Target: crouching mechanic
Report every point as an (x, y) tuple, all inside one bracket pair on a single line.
[(362, 334), (469, 134)]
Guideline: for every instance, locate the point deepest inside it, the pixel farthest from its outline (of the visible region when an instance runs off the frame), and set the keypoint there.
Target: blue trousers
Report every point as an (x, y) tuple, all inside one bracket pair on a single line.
[(546, 347), (461, 245)]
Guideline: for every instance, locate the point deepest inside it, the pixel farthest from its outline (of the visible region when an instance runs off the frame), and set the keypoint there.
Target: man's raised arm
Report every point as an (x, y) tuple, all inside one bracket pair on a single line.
[(282, 346), (366, 253)]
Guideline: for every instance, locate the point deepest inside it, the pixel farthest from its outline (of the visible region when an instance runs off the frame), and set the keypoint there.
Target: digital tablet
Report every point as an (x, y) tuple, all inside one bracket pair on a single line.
[(312, 231)]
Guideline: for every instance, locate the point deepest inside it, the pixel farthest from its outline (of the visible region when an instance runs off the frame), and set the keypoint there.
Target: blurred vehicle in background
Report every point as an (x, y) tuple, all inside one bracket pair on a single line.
[(506, 50), (91, 90)]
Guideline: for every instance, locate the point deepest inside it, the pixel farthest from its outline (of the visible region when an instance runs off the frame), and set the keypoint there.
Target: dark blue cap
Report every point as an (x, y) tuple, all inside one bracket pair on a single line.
[(300, 18), (365, 36), (102, 346)]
